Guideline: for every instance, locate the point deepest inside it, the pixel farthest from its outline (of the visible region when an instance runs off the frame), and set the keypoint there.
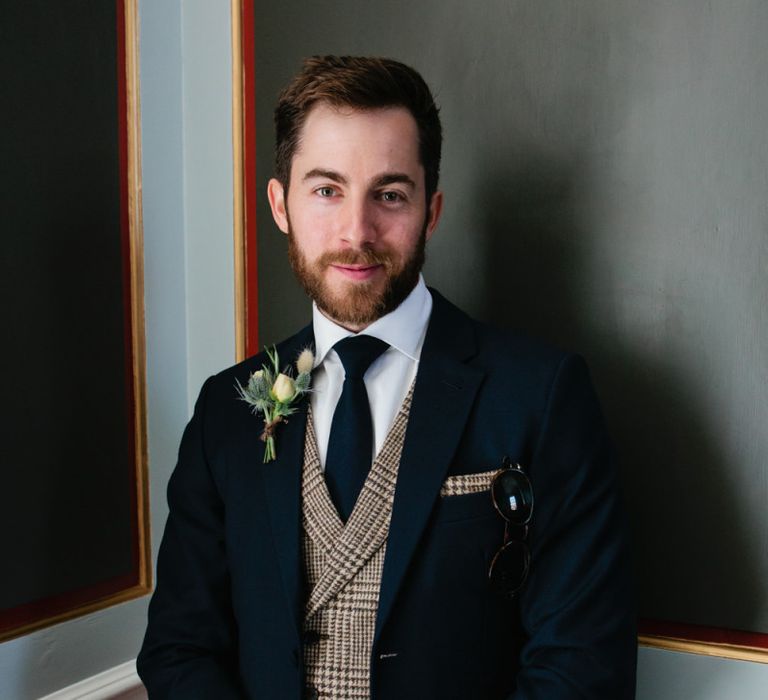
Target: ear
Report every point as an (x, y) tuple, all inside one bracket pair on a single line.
[(433, 215), (276, 196)]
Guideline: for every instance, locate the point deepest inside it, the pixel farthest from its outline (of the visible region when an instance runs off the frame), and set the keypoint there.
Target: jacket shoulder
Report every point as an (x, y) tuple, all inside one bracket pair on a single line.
[(499, 346)]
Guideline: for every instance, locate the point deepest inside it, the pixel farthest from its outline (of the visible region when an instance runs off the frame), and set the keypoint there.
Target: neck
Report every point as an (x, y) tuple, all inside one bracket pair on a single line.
[(354, 327)]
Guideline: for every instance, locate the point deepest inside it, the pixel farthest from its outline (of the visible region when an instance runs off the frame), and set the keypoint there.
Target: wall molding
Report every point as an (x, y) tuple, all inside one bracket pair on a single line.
[(112, 683)]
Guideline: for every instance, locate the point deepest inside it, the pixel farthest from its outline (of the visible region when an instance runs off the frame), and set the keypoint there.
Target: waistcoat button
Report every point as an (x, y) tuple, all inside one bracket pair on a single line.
[(313, 637)]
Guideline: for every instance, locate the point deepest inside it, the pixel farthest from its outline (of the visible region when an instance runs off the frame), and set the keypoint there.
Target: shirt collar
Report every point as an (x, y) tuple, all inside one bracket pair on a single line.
[(403, 329)]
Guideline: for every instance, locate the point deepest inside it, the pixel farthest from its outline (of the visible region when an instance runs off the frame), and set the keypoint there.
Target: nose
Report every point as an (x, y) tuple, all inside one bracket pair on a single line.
[(357, 224)]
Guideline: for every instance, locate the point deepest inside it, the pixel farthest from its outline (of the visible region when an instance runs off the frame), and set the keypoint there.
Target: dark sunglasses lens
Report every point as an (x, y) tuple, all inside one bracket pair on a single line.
[(509, 567), (513, 496)]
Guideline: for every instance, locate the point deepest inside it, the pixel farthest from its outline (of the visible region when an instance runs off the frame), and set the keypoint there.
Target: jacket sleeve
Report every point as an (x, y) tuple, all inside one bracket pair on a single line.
[(578, 607), (190, 648)]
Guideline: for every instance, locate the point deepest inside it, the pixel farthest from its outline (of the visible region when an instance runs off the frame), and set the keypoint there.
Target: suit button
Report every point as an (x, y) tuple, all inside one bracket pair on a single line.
[(311, 694)]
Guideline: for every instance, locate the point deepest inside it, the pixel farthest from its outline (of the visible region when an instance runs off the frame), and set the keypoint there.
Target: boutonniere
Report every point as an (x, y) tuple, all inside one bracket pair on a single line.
[(275, 393)]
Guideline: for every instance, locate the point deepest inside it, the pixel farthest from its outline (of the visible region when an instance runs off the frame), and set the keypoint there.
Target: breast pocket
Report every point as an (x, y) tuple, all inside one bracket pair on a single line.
[(468, 506)]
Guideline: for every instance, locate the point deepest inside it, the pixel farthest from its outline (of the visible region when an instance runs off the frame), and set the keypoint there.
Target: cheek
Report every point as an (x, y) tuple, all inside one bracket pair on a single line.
[(307, 244), (405, 235), (315, 220), (311, 230)]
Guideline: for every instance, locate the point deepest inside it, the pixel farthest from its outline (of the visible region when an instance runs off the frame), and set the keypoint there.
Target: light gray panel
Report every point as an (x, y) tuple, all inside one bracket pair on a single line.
[(666, 675), (208, 173)]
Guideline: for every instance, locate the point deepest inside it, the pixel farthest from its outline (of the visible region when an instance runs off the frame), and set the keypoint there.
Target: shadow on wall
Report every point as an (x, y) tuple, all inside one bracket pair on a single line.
[(695, 561)]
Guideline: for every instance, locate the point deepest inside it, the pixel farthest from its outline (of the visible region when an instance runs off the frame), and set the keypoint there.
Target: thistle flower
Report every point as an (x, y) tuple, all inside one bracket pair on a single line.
[(302, 382)]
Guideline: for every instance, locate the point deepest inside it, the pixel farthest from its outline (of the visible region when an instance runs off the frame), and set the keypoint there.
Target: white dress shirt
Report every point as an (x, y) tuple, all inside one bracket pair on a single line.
[(388, 378)]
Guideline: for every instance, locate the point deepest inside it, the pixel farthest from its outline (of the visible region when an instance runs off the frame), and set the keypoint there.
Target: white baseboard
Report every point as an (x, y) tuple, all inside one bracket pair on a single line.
[(118, 682)]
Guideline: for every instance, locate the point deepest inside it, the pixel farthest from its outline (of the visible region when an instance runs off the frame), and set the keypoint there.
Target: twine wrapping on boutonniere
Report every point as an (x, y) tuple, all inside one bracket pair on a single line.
[(275, 393)]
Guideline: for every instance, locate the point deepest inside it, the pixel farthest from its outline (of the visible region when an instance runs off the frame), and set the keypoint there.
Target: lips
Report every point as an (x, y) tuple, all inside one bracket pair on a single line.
[(357, 272)]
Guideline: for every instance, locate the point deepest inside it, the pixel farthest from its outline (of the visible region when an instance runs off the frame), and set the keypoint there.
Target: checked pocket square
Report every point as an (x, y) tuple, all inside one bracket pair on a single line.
[(462, 484)]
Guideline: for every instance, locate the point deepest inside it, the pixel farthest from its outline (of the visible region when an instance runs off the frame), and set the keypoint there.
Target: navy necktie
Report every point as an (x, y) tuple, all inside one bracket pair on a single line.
[(350, 445)]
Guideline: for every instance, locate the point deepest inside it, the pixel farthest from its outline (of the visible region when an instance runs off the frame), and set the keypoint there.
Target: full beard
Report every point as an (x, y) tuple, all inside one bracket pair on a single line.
[(358, 304)]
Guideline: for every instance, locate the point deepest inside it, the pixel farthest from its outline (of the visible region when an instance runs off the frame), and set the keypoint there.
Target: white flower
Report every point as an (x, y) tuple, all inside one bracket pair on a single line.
[(305, 362), (283, 389), (257, 375)]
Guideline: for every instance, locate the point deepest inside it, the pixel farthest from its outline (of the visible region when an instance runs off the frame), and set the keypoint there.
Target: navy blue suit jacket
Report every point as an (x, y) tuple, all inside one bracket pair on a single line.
[(226, 617)]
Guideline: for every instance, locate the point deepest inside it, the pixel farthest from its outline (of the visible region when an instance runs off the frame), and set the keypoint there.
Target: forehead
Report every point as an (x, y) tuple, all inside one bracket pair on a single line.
[(354, 141)]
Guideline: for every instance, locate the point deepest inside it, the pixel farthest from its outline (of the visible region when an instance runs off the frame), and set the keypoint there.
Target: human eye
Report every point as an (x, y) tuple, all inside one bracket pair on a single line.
[(391, 197), (326, 191)]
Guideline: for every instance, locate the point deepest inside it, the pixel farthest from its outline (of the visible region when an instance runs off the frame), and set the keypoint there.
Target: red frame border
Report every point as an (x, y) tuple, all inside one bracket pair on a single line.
[(249, 178)]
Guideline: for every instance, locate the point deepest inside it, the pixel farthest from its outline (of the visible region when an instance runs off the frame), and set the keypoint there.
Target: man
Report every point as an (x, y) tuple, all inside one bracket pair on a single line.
[(356, 564)]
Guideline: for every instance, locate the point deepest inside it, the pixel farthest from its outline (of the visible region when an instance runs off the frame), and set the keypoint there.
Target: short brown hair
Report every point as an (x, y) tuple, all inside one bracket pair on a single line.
[(361, 83)]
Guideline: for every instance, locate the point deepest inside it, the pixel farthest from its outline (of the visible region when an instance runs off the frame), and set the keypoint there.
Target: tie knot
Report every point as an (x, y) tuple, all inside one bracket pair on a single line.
[(357, 353)]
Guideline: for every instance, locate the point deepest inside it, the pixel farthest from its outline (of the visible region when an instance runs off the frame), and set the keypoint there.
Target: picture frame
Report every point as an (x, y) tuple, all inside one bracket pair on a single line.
[(78, 520)]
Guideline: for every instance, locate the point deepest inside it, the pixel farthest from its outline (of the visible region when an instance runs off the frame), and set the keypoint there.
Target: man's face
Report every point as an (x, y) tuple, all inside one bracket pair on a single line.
[(355, 212)]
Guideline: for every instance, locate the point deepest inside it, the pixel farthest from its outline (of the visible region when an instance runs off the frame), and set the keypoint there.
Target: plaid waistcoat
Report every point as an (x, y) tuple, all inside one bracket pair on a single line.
[(343, 565)]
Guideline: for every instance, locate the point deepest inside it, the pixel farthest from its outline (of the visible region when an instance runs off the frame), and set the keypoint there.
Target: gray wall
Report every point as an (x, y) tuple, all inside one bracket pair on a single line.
[(605, 179), (605, 171)]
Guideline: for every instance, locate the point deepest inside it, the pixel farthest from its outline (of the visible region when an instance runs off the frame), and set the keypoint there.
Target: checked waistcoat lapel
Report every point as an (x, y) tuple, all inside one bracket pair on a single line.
[(348, 547)]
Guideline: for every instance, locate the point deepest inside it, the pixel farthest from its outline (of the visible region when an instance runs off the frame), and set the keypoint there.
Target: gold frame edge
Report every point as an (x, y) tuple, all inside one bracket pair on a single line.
[(136, 236), (722, 650), (238, 178)]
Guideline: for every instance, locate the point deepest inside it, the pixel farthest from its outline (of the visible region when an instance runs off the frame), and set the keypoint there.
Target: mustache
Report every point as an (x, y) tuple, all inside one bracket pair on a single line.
[(365, 256)]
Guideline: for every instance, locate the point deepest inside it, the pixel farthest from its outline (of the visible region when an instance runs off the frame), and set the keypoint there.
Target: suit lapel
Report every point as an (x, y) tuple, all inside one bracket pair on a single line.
[(282, 482), (444, 392)]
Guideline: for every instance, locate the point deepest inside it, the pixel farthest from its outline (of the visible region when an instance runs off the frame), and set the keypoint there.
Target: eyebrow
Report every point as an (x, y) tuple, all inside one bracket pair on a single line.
[(381, 181), (326, 175), (393, 179)]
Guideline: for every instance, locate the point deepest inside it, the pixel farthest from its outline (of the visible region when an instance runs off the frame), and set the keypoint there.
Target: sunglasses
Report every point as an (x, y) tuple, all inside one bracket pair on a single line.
[(512, 495)]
